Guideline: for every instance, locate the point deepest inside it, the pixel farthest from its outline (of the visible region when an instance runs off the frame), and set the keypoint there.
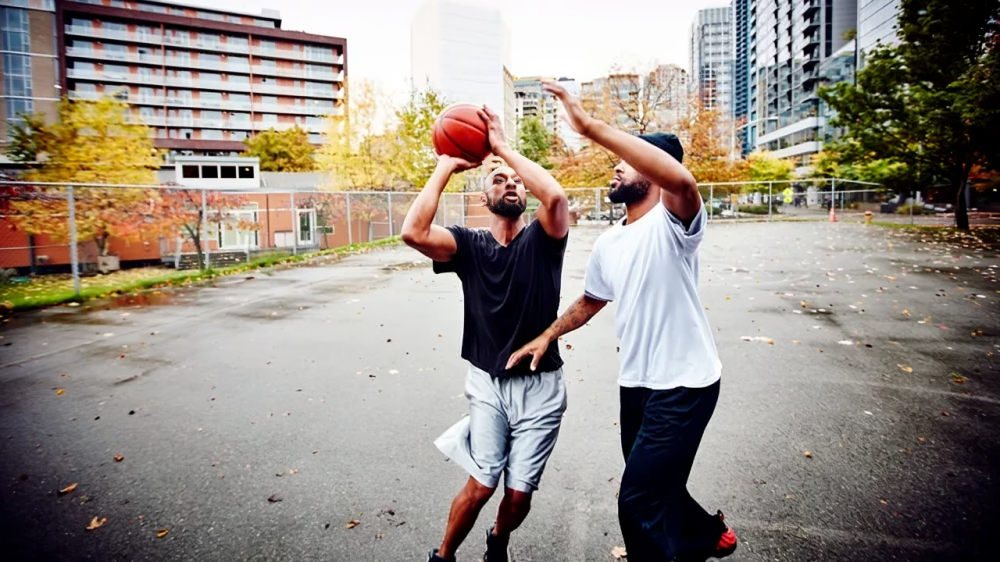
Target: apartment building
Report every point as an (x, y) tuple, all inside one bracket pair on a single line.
[(29, 63), (787, 41), (712, 58), (741, 59), (204, 79)]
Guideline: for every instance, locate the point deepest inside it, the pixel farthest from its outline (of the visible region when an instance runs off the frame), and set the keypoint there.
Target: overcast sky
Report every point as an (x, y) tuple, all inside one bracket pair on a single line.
[(579, 39)]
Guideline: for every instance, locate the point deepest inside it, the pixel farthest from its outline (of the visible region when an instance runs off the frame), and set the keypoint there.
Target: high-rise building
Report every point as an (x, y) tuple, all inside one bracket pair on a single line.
[(674, 99), (741, 61), (787, 41), (712, 58), (461, 50), (530, 100), (30, 80), (204, 79), (509, 102), (876, 25)]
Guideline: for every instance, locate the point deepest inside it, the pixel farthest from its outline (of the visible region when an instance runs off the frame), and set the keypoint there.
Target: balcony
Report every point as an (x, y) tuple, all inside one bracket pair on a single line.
[(208, 45), (810, 7), (297, 73), (202, 84), (296, 55), (810, 25), (103, 54), (101, 33), (151, 79), (182, 62), (259, 88)]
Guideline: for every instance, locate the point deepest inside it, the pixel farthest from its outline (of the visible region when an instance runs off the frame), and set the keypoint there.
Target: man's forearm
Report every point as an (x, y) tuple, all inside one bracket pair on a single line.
[(578, 314), (541, 183), (421, 214), (663, 169)]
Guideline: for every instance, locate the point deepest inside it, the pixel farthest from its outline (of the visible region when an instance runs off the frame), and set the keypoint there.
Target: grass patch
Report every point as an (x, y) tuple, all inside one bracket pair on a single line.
[(58, 289)]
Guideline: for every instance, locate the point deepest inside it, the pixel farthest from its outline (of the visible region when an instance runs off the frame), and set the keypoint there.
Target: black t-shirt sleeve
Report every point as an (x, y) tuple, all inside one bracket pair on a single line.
[(457, 262)]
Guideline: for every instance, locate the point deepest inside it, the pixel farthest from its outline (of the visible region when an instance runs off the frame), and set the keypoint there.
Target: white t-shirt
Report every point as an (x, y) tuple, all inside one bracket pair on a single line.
[(650, 267)]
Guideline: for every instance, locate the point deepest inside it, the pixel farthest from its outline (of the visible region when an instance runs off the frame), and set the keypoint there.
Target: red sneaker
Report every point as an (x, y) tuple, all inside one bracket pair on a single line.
[(727, 542)]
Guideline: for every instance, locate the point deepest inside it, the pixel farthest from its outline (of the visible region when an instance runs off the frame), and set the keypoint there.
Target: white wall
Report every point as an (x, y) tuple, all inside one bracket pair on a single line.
[(460, 50)]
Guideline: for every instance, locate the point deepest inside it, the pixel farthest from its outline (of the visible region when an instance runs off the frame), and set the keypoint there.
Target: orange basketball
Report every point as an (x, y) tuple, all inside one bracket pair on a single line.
[(459, 132)]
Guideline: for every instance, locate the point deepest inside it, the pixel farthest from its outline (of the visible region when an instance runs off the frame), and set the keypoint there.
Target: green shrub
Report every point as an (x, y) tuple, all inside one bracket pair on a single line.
[(757, 209), (904, 209)]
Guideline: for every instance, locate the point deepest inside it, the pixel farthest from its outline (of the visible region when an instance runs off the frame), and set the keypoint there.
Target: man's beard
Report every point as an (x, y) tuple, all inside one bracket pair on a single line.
[(629, 192), (502, 207)]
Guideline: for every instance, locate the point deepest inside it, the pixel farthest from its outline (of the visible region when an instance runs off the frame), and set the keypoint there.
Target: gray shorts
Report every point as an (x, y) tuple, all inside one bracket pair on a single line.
[(511, 428)]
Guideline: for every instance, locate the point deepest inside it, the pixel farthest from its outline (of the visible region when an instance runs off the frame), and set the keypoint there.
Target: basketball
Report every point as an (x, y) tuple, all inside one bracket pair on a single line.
[(459, 132)]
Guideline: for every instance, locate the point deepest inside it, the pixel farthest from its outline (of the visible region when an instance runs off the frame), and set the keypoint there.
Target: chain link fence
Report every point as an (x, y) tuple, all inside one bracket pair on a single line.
[(82, 230)]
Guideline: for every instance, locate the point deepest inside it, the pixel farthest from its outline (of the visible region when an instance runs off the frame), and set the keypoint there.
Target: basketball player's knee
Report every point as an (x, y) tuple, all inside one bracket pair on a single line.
[(520, 501), (478, 493)]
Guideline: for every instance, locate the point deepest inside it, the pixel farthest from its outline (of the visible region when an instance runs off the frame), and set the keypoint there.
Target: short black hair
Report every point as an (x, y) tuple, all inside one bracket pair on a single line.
[(666, 142)]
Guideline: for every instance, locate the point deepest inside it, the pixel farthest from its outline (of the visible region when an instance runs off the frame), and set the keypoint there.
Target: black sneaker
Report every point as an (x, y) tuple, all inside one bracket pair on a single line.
[(496, 548), (432, 556)]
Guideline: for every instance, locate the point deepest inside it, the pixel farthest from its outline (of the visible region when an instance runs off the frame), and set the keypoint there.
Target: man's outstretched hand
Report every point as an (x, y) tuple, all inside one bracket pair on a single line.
[(578, 118), (536, 348)]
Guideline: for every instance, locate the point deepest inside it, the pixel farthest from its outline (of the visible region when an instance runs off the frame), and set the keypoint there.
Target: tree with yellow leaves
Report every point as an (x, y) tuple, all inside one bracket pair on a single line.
[(92, 142)]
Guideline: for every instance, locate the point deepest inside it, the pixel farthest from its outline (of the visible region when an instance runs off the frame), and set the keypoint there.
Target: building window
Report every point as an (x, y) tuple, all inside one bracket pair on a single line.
[(210, 172), (189, 172), (14, 23), (17, 75), (216, 115), (246, 172), (238, 135), (227, 172), (211, 134)]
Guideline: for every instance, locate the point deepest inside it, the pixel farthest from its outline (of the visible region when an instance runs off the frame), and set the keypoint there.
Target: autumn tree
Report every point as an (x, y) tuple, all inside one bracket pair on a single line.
[(91, 142), (710, 150), (376, 147), (282, 151), (183, 213), (635, 102), (534, 141)]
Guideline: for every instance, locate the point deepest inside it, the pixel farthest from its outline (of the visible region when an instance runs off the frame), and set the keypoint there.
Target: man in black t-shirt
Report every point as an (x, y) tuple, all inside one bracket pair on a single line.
[(510, 277)]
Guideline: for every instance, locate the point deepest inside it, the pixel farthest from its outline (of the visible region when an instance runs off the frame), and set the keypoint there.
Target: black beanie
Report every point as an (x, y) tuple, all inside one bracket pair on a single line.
[(666, 142)]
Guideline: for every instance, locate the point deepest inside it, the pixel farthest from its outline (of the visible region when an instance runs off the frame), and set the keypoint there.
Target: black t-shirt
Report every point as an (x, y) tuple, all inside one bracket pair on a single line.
[(511, 295)]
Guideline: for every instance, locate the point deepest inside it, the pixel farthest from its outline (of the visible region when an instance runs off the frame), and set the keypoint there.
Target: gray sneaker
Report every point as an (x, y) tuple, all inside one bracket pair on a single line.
[(496, 548), (432, 556)]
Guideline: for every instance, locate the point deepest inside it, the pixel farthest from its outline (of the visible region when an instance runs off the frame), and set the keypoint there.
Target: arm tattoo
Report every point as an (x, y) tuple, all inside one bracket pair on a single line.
[(578, 314)]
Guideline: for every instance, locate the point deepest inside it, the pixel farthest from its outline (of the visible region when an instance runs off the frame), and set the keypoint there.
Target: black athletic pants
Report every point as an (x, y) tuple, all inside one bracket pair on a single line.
[(661, 431)]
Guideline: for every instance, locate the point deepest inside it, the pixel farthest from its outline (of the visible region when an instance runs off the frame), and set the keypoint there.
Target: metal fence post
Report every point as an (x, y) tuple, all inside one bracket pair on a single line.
[(833, 194), (74, 255), (388, 197), (350, 233), (204, 228), (295, 223), (711, 200), (597, 203), (912, 201), (770, 199), (444, 210)]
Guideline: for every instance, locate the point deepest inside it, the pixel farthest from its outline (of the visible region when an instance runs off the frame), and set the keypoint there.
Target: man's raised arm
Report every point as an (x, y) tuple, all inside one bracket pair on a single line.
[(553, 214), (419, 231), (679, 188)]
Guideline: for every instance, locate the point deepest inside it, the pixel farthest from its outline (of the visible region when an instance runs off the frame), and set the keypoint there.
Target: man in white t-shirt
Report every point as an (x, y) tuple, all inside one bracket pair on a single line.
[(670, 369)]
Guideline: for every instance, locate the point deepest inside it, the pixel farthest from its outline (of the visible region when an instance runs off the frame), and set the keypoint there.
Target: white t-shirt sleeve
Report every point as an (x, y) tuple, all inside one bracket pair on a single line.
[(688, 238), (594, 284)]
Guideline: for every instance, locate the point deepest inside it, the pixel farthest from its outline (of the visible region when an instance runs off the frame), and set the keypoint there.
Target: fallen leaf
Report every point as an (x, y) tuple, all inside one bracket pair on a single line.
[(568, 346), (957, 378), (119, 458), (905, 368), (945, 414), (619, 552), (353, 523), (884, 502), (274, 498), (906, 313), (60, 391), (293, 471), (942, 326), (808, 455), (393, 372), (95, 523), (68, 489), (378, 535), (846, 342), (768, 341), (162, 533)]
